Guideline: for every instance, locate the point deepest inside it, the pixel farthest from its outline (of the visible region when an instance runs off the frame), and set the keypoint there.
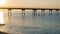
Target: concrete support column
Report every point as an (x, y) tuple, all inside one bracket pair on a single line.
[(9, 12), (50, 11), (42, 12), (57, 11), (35, 12), (23, 12)]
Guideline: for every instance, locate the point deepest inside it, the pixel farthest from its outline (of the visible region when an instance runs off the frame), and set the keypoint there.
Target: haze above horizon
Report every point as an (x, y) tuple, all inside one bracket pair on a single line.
[(30, 3)]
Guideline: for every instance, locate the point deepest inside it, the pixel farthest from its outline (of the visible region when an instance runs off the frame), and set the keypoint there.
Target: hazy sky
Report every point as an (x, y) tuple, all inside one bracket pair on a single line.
[(33, 3)]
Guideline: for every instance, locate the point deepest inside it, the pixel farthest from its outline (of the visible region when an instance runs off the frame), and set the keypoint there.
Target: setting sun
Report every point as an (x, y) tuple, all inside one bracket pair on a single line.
[(2, 2)]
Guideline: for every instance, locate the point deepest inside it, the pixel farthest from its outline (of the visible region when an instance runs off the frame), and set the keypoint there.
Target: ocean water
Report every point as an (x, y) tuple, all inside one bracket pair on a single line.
[(29, 24)]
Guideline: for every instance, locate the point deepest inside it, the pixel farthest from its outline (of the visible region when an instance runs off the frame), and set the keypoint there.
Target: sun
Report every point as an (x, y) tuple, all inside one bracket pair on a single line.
[(2, 2)]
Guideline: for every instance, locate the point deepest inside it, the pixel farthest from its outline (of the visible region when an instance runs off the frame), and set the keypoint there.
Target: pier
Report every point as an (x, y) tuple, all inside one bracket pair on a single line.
[(34, 10), (33, 24)]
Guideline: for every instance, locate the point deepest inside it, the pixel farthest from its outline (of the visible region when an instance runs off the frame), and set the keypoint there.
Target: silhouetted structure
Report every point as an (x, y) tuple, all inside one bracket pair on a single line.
[(34, 10)]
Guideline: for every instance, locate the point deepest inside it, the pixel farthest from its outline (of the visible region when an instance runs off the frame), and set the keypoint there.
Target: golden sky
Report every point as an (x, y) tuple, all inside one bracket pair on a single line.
[(32, 3)]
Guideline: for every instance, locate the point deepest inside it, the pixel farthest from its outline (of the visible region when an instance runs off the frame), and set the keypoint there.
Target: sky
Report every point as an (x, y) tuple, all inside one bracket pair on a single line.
[(32, 3)]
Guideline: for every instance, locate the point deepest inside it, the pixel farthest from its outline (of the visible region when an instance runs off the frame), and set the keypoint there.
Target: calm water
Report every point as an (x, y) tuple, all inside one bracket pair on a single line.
[(17, 24)]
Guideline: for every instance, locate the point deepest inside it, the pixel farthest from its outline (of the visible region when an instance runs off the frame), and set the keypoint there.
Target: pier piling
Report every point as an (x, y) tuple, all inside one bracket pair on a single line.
[(35, 12), (43, 12), (57, 11), (23, 12), (50, 12), (9, 12)]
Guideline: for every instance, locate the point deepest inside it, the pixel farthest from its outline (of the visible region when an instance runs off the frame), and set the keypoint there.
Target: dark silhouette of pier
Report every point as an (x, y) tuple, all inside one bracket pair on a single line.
[(34, 10)]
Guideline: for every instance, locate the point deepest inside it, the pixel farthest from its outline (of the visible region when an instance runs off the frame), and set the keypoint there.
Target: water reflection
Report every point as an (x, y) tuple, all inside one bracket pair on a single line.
[(30, 24), (1, 18)]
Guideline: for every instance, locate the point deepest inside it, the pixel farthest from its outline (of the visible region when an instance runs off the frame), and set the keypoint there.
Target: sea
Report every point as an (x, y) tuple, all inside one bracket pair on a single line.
[(17, 23)]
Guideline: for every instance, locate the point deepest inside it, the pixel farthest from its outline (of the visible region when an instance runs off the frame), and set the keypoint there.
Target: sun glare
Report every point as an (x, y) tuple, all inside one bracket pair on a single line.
[(2, 2), (1, 17)]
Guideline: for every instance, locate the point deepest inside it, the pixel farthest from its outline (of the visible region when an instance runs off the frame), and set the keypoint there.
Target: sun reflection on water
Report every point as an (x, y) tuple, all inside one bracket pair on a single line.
[(1, 17)]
